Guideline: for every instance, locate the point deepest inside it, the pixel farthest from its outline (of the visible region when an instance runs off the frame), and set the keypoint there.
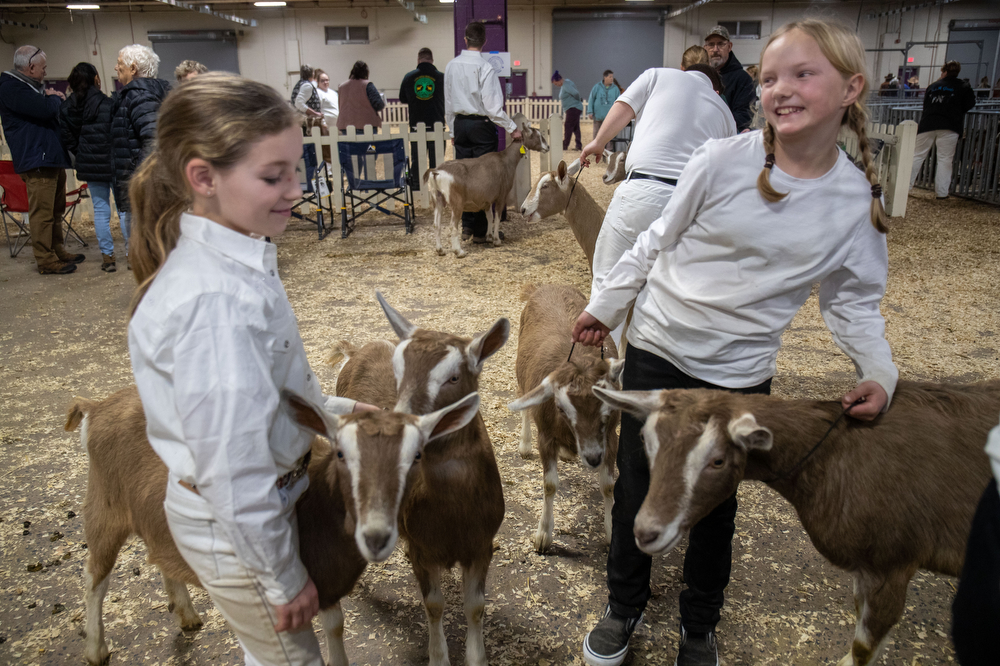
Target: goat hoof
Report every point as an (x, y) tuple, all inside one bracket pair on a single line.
[(102, 657), (524, 451), (192, 626), (441, 252), (542, 542), (460, 255)]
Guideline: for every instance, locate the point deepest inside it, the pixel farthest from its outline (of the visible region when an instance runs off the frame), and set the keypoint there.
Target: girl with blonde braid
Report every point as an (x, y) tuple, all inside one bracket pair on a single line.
[(755, 221)]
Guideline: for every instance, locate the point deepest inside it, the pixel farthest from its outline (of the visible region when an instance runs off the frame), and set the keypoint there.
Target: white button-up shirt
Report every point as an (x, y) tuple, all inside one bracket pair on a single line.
[(328, 106), (471, 88), (213, 343)]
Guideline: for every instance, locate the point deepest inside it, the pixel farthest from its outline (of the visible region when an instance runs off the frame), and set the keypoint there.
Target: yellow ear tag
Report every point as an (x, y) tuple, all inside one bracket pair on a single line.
[(523, 151)]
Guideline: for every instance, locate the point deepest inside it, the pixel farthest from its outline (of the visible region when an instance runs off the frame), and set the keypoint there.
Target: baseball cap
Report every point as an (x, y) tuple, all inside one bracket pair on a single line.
[(720, 31)]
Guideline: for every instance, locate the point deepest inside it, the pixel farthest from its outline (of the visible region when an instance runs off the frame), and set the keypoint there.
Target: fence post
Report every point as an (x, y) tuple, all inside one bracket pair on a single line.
[(543, 158), (897, 184), (422, 163), (555, 140)]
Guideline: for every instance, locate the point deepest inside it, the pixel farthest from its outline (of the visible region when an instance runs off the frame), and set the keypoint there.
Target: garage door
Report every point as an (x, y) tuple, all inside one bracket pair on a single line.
[(216, 49), (585, 43)]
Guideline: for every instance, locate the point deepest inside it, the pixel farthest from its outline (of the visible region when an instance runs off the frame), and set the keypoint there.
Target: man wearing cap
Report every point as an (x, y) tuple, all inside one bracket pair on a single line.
[(740, 93), (572, 106), (473, 108)]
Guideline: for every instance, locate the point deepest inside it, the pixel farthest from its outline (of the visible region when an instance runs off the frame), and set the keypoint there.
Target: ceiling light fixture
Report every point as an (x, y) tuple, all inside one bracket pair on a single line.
[(447, 2), (83, 6), (269, 4)]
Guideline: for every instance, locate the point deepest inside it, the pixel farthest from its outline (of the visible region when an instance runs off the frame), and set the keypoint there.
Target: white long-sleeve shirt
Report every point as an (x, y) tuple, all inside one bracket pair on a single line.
[(719, 277), (329, 101), (213, 342), (471, 88), (305, 92)]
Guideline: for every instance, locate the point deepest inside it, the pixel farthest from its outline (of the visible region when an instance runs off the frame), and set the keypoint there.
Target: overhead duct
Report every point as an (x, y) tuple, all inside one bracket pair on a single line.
[(412, 7), (205, 9)]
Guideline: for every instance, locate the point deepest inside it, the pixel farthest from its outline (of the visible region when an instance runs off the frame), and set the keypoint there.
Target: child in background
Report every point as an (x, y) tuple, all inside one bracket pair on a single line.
[(755, 221), (214, 341)]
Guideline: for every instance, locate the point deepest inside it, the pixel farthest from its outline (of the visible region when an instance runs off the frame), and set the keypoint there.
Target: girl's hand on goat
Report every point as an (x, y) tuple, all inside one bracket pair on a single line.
[(516, 135), (299, 612), (875, 399), (591, 149), (365, 407), (588, 331)]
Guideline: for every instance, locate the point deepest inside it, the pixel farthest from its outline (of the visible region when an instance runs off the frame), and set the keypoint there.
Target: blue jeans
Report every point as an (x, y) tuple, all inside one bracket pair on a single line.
[(100, 194), (125, 218)]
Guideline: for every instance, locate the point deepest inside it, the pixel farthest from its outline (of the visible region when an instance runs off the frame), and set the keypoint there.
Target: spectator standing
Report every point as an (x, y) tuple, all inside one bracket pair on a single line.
[(359, 100), (946, 102), (675, 113), (188, 70), (30, 115), (328, 100), (602, 96), (740, 94), (888, 88), (694, 55), (473, 108), (572, 106), (306, 99), (85, 123), (133, 127), (422, 90)]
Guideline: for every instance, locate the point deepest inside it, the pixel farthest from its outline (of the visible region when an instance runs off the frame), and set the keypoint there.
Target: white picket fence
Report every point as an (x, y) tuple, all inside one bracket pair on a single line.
[(894, 162), (533, 108)]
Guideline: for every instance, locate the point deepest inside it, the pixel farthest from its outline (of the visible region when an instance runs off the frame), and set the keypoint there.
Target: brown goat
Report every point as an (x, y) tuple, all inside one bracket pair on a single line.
[(453, 505), (555, 389), (478, 184), (880, 499), (615, 173), (338, 520), (558, 192)]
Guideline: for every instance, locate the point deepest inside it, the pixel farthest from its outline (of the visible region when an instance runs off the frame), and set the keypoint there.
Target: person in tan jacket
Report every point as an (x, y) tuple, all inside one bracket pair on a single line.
[(359, 100)]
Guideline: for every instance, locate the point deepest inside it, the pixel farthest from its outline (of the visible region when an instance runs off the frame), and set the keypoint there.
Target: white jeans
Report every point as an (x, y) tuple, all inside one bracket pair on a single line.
[(946, 141), (635, 205), (234, 589)]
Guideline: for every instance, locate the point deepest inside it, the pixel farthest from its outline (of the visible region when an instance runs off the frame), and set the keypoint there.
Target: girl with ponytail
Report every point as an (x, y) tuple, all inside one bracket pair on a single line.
[(214, 341), (755, 221)]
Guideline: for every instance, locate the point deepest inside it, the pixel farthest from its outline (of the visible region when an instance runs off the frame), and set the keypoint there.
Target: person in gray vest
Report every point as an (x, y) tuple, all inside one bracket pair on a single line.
[(359, 100)]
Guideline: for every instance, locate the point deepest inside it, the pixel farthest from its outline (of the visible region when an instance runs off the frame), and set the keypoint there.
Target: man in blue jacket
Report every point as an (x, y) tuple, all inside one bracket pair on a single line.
[(602, 97), (30, 115), (946, 102)]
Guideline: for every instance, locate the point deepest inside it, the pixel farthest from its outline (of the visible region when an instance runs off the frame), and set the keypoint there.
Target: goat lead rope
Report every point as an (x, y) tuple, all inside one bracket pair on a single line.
[(573, 346), (571, 191), (798, 466)]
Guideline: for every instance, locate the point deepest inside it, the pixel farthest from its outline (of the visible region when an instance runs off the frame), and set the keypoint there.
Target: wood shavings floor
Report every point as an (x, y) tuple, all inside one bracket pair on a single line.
[(65, 336)]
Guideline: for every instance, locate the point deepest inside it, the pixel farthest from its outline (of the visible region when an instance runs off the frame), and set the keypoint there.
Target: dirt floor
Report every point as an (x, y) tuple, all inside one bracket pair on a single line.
[(65, 336)]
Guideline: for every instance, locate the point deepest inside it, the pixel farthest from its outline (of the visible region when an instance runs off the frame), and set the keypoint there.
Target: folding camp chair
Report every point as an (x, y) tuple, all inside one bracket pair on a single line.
[(74, 199), (316, 177), (359, 161), (14, 205)]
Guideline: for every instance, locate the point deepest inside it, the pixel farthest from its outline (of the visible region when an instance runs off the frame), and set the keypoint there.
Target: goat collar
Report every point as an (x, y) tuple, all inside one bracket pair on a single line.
[(797, 467)]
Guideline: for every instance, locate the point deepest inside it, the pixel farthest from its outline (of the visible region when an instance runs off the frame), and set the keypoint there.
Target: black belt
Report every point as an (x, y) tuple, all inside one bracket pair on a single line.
[(465, 116), (635, 175)]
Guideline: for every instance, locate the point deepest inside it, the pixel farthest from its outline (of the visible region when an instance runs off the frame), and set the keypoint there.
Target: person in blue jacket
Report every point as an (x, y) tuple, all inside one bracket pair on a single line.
[(602, 97), (572, 105), (30, 115)]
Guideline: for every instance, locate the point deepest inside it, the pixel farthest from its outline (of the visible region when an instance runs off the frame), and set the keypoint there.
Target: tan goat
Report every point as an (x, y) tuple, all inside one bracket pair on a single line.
[(556, 394), (347, 517), (478, 184), (558, 192), (615, 173), (879, 499), (453, 505)]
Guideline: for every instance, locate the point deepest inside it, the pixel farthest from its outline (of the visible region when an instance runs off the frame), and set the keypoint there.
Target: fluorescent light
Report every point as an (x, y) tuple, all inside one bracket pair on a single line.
[(83, 6), (447, 2), (269, 4)]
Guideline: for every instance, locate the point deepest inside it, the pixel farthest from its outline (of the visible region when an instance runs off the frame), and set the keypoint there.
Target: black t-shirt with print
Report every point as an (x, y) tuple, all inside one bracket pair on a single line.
[(423, 91)]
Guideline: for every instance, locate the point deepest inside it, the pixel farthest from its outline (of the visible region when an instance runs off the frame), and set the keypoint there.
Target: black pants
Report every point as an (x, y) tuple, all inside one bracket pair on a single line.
[(416, 168), (571, 126), (474, 137), (709, 555), (976, 611)]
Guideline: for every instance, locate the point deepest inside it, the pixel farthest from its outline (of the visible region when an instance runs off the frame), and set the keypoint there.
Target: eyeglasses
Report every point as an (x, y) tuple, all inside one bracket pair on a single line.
[(37, 51), (714, 46)]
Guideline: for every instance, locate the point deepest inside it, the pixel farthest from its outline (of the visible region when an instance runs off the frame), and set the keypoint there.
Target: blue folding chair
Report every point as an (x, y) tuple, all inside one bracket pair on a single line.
[(361, 185), (322, 215)]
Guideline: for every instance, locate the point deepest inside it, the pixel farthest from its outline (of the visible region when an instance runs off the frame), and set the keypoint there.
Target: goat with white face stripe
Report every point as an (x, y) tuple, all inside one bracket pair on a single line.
[(615, 173), (879, 499), (556, 394), (453, 505)]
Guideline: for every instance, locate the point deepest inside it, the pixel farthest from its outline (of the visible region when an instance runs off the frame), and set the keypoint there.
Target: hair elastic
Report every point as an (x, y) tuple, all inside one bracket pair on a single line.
[(769, 161), (876, 191)]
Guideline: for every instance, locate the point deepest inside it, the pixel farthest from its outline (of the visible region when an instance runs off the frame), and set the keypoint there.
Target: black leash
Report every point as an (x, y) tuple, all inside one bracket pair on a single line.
[(573, 346), (573, 189), (798, 466)]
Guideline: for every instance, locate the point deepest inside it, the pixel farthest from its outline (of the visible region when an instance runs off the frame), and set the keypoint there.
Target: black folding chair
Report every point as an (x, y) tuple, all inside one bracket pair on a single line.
[(73, 201), (361, 184), (322, 216)]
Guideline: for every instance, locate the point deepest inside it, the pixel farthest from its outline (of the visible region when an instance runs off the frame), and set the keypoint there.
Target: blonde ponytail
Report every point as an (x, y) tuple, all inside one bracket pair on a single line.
[(857, 119), (214, 117), (764, 179)]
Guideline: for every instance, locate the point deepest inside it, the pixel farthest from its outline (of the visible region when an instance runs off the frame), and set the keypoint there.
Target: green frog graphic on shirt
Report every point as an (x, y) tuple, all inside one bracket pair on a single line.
[(423, 87)]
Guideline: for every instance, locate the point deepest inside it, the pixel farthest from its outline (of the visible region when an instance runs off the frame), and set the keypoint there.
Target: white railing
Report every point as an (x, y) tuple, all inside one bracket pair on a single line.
[(533, 108), (894, 162)]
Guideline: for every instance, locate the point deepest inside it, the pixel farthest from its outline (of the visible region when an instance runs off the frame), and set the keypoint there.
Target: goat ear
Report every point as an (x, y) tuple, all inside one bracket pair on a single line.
[(615, 369), (573, 167), (533, 398), (607, 154), (561, 170), (449, 419), (486, 344), (403, 328), (308, 416), (639, 404), (748, 435)]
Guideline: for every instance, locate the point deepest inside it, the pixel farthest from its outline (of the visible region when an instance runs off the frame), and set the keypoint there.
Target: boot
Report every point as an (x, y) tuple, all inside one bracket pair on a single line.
[(109, 263), (66, 257), (58, 268)]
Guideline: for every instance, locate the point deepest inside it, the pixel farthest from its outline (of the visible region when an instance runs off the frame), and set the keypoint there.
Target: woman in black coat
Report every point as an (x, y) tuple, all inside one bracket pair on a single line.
[(85, 126)]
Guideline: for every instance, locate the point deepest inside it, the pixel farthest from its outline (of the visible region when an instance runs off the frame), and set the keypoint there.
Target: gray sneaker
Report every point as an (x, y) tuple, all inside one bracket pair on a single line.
[(607, 643), (697, 649)]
